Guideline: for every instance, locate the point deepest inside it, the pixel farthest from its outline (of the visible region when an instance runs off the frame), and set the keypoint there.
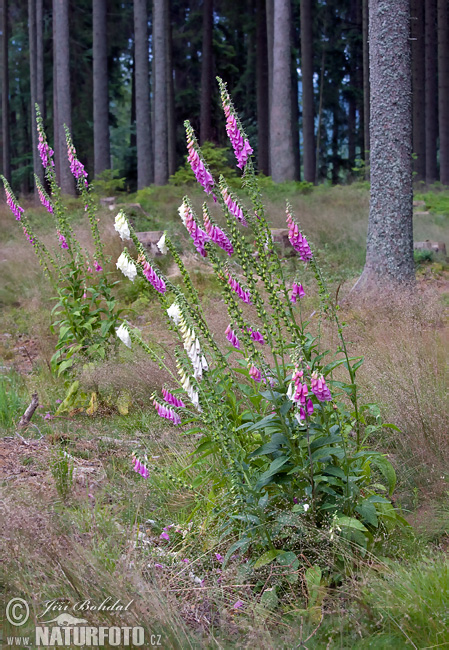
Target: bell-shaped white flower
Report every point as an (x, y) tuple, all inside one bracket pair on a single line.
[(175, 313), (127, 267), (182, 212), (121, 225), (162, 245), (123, 334)]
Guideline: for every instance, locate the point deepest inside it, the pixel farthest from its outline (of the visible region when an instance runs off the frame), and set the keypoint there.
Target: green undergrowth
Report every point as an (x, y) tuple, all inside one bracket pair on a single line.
[(112, 526)]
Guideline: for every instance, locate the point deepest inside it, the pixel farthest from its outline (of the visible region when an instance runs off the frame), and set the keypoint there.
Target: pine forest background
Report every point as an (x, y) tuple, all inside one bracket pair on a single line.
[(124, 76)]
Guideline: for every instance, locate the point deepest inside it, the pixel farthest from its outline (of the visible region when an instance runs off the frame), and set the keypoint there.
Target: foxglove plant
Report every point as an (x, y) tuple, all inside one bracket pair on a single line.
[(267, 406), (281, 434), (85, 304)]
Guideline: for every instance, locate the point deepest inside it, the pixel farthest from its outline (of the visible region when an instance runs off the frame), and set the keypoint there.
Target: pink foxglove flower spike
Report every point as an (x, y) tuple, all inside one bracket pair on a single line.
[(319, 388), (297, 240), (232, 337), (235, 286), (166, 412), (216, 234), (297, 292), (172, 399), (202, 174)]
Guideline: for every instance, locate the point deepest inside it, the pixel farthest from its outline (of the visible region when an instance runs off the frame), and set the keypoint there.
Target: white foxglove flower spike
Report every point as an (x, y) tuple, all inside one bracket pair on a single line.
[(123, 334), (121, 225), (162, 245), (127, 267)]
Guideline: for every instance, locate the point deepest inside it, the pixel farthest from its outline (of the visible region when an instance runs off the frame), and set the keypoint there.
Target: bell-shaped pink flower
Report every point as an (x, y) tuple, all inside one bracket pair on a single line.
[(319, 388)]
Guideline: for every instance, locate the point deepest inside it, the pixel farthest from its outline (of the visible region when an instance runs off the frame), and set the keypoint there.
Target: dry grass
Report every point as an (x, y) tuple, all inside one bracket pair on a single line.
[(406, 371)]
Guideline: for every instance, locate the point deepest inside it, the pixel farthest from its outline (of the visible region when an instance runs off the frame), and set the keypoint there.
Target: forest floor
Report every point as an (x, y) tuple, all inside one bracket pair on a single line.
[(102, 538)]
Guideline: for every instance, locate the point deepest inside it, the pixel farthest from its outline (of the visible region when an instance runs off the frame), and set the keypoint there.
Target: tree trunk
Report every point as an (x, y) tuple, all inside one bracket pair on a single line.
[(366, 89), (389, 255), (443, 88), (32, 35), (262, 89), (102, 155), (431, 90), (40, 92), (160, 94), (307, 91), (295, 103), (418, 92), (281, 142), (57, 157), (269, 6), (5, 92), (335, 142), (143, 124), (171, 128), (62, 54), (206, 72)]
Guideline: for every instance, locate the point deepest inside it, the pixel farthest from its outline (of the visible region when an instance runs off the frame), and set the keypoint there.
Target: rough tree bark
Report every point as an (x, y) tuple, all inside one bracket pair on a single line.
[(102, 153), (62, 54), (57, 157), (443, 88), (269, 10), (160, 93), (171, 117), (281, 141), (366, 88), (6, 159), (206, 72), (32, 35), (142, 90), (389, 255), (431, 90), (40, 96), (307, 91), (262, 89), (418, 91)]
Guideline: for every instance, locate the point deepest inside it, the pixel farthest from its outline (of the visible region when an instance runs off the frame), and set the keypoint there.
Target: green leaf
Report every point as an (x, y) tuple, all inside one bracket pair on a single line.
[(324, 440), (257, 425), (241, 543), (351, 522), (325, 452), (368, 513), (267, 557), (387, 470), (268, 448), (287, 558), (333, 470), (276, 465), (388, 425), (269, 598)]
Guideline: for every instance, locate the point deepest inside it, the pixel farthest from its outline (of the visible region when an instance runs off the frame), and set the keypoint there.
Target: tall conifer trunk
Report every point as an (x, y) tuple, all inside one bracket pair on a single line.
[(307, 91), (206, 72), (142, 93), (366, 88), (389, 255), (431, 90), (32, 35), (160, 94), (262, 89), (281, 141), (100, 95), (418, 91), (5, 91), (61, 52), (443, 88)]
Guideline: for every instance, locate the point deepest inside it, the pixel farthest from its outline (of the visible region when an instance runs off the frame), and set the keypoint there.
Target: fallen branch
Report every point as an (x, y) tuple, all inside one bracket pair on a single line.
[(26, 417)]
